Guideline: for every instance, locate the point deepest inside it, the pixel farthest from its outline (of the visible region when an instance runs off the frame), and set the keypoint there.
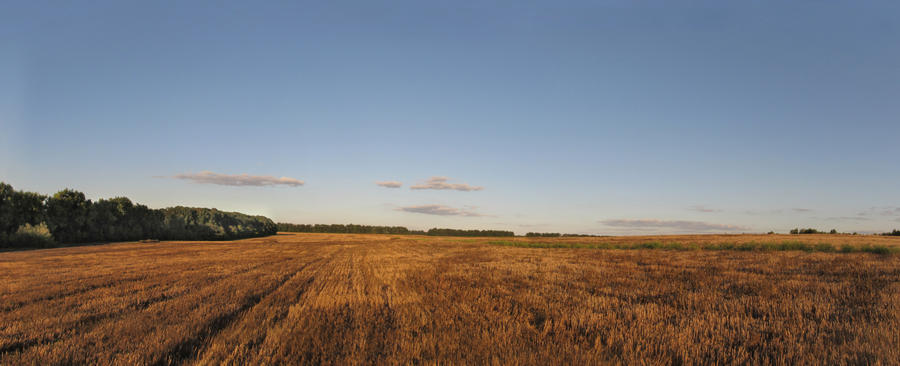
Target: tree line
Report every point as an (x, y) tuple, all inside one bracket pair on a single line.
[(31, 219), (396, 230), (543, 235), (895, 232), (345, 229), (458, 232), (556, 235), (812, 231)]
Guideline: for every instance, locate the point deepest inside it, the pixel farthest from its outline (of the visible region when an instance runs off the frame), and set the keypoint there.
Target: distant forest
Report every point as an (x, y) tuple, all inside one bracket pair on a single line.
[(796, 231), (368, 229), (345, 229), (457, 232), (556, 235), (29, 219)]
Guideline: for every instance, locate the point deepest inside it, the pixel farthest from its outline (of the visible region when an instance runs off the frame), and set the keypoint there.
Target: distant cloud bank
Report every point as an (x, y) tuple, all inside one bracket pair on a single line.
[(671, 224), (881, 211), (439, 210), (441, 183), (389, 184), (238, 180), (848, 218), (778, 211), (702, 208)]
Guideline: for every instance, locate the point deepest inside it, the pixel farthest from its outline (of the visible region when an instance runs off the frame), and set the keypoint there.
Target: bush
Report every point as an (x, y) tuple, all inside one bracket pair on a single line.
[(18, 208), (878, 249), (824, 247), (33, 236), (793, 245)]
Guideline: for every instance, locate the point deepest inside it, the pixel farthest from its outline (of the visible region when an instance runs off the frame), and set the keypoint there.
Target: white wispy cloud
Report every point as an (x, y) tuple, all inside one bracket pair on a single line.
[(680, 225), (439, 210), (848, 218), (441, 183), (881, 211), (389, 184), (764, 212), (238, 180), (778, 211), (702, 208), (532, 225)]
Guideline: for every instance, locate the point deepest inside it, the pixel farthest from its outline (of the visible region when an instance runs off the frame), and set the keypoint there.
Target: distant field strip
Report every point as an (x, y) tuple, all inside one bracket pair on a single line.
[(749, 246)]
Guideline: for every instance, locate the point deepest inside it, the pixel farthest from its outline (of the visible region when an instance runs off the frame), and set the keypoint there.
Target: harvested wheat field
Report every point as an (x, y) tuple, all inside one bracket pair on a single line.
[(381, 299)]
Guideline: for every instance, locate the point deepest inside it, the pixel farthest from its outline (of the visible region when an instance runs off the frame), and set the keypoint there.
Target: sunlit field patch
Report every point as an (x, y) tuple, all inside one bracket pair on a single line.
[(390, 299)]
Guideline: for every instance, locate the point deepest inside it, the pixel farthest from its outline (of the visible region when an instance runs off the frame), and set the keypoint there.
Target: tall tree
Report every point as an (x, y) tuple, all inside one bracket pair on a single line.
[(67, 216)]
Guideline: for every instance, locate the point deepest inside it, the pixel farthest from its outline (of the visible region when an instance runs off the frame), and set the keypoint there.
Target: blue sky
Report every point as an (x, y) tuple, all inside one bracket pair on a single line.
[(615, 117)]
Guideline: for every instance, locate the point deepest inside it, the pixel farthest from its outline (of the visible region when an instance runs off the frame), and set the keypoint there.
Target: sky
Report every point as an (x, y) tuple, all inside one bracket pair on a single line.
[(601, 117)]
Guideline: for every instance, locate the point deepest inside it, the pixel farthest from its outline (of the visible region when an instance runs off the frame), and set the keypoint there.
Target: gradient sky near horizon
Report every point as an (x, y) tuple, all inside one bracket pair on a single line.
[(608, 117)]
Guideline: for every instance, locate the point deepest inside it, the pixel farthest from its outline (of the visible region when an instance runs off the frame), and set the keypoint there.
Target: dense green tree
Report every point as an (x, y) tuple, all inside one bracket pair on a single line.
[(7, 213), (71, 218), (18, 208), (116, 219), (67, 214), (188, 223)]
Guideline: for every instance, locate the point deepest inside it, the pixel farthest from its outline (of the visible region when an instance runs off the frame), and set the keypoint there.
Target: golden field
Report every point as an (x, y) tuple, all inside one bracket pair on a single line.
[(382, 299)]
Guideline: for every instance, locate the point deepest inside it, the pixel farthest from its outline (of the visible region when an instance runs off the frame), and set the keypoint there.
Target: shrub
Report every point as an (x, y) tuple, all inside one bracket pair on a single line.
[(743, 246), (18, 208), (649, 245), (35, 236), (824, 247), (878, 249), (794, 245)]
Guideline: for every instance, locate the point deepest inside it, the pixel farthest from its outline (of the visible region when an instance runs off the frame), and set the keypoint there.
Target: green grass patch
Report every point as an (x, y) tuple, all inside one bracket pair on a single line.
[(879, 249), (787, 245)]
